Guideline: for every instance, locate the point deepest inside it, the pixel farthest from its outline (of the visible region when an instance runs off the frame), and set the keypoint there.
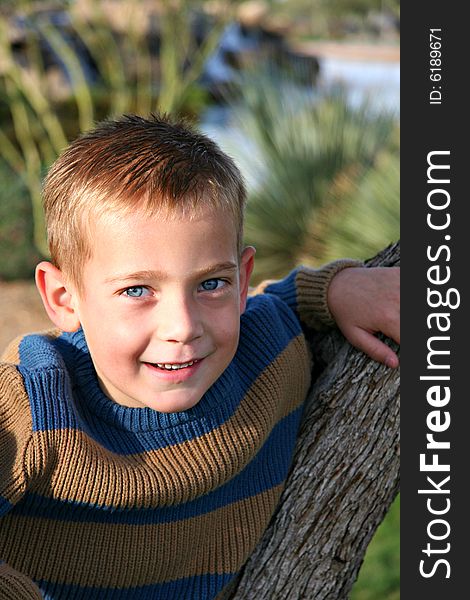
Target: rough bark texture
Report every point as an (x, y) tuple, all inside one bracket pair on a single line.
[(344, 476)]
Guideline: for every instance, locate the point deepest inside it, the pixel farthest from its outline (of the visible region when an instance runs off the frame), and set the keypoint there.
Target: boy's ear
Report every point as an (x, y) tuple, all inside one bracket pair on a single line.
[(247, 262), (58, 300)]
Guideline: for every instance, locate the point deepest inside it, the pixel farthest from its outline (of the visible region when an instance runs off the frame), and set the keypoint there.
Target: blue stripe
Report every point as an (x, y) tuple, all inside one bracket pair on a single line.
[(268, 469), (201, 587)]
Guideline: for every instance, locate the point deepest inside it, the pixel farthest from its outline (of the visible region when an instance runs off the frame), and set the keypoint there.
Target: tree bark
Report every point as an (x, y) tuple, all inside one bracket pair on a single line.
[(344, 476)]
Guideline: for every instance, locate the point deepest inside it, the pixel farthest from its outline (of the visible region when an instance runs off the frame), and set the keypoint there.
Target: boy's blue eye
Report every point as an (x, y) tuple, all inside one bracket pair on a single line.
[(211, 284), (137, 291)]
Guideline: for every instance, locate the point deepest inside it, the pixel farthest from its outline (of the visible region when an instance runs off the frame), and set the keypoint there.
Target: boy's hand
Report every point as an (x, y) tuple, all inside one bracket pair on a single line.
[(365, 301)]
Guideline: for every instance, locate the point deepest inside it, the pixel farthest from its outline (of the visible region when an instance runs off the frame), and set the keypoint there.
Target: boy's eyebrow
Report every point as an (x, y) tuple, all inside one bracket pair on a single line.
[(161, 275)]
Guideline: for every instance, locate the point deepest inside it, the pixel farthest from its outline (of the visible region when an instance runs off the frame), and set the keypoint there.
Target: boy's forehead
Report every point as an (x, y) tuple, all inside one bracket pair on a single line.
[(212, 227)]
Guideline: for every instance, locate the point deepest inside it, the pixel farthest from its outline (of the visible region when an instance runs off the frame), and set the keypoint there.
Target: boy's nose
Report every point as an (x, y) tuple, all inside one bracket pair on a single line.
[(179, 321)]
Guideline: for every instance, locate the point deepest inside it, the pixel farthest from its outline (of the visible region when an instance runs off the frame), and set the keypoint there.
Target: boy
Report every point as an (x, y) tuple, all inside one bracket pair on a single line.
[(145, 442)]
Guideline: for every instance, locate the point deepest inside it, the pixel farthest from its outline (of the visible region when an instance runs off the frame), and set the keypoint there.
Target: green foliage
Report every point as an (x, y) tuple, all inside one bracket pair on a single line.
[(19, 255), (379, 577), (369, 219), (329, 182)]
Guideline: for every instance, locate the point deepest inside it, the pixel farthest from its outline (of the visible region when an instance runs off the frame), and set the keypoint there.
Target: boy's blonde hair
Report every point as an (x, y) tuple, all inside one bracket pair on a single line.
[(154, 165)]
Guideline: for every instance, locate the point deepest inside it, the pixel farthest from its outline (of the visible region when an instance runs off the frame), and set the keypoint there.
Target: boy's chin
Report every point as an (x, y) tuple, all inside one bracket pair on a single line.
[(173, 402), (168, 401)]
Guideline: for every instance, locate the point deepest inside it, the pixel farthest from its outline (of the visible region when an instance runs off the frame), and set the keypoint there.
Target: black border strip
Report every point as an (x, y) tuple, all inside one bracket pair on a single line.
[(437, 128)]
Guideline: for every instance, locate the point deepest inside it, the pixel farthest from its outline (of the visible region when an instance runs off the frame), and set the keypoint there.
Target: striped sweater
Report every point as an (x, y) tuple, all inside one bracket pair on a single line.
[(101, 501)]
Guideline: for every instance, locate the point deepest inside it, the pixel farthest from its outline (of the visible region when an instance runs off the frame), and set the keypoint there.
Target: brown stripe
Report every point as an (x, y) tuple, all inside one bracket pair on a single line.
[(15, 422), (312, 289), (16, 585), (105, 555), (80, 470), (11, 354)]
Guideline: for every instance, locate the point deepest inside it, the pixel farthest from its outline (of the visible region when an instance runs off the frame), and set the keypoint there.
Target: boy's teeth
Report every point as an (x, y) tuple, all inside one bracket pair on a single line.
[(172, 367)]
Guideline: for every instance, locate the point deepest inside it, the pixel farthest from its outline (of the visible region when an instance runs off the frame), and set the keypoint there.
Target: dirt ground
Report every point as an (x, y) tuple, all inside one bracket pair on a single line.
[(21, 310)]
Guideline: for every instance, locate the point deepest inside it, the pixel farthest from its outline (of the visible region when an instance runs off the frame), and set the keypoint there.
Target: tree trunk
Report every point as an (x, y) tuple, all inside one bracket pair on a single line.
[(344, 476)]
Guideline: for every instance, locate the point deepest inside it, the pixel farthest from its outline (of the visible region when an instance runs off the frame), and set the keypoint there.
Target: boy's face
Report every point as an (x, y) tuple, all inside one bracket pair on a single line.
[(161, 306)]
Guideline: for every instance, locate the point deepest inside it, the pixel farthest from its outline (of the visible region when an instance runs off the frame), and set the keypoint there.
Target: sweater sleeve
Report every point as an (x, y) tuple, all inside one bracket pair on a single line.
[(16, 586), (305, 290), (15, 434)]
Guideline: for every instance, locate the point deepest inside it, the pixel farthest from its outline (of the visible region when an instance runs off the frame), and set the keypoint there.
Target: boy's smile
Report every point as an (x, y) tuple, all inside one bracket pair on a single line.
[(161, 305)]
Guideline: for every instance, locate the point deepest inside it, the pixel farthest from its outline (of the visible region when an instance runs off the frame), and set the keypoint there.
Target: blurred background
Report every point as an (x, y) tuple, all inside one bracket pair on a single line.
[(304, 94)]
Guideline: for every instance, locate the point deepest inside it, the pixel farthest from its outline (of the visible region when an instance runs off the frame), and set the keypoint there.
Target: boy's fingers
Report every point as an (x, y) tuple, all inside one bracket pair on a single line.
[(373, 347), (391, 327)]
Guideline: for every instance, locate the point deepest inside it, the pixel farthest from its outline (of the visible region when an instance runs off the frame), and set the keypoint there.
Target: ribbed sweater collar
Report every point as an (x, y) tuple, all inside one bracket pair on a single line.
[(71, 354)]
